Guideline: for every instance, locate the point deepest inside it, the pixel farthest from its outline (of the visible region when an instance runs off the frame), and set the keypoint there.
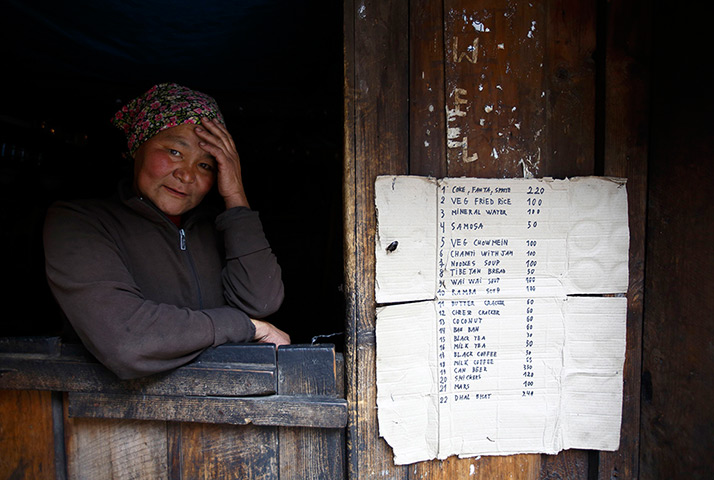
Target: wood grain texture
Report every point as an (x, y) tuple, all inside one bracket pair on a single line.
[(229, 452), (99, 448), (173, 450), (570, 140), (377, 142), (519, 99), (517, 467), (677, 405), (626, 155), (427, 118), (349, 212), (495, 89), (314, 453), (307, 370), (570, 76), (233, 370), (26, 435), (501, 62), (318, 411)]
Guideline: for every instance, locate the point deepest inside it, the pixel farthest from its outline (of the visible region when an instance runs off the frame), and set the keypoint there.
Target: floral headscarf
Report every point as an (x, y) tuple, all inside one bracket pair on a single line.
[(164, 106)]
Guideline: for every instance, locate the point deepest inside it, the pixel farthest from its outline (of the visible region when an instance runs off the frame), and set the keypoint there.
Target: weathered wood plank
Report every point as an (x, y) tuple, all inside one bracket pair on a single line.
[(314, 453), (677, 403), (570, 71), (427, 129), (495, 90), (286, 410), (307, 370), (50, 345), (23, 373), (377, 82), (567, 464), (494, 83), (230, 452), (626, 150), (248, 353), (517, 467), (230, 370), (520, 93), (26, 435), (173, 450), (58, 401), (101, 448), (570, 127)]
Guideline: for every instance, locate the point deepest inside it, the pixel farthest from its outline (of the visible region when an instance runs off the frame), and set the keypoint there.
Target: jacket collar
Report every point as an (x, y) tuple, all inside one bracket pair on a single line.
[(147, 209)]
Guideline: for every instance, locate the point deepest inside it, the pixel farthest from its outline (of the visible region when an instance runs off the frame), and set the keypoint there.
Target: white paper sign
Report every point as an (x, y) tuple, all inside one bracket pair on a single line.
[(497, 356)]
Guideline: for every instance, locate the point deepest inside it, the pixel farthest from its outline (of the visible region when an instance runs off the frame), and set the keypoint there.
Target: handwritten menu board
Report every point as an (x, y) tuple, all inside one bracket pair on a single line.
[(493, 337)]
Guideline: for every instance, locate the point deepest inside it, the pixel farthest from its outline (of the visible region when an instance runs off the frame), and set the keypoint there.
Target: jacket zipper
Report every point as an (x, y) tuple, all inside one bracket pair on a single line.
[(182, 239), (183, 245)]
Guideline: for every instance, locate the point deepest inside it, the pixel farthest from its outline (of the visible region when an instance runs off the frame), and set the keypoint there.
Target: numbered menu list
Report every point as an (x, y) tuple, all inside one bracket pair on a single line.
[(501, 253), (518, 365)]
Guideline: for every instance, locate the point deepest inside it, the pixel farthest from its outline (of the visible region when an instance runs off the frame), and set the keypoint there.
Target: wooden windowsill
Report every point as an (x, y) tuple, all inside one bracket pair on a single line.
[(296, 385)]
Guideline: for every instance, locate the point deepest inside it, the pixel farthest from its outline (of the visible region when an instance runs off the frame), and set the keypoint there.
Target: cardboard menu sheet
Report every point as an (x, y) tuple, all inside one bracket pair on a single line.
[(501, 325)]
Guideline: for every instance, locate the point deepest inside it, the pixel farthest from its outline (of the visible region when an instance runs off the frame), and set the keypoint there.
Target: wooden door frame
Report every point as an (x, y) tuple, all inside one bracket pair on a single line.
[(378, 52)]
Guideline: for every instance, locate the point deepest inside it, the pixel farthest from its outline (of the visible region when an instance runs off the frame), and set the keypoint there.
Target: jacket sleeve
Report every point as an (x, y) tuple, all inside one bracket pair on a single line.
[(129, 334), (252, 278)]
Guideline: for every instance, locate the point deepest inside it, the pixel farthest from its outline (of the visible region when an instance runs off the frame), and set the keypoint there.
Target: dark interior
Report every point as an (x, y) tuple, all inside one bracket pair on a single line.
[(275, 68)]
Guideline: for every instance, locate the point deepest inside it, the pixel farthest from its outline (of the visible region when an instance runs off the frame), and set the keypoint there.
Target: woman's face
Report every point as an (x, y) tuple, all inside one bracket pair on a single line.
[(173, 171)]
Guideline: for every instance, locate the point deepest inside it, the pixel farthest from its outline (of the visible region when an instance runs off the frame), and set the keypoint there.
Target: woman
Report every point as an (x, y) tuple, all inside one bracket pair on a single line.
[(151, 277)]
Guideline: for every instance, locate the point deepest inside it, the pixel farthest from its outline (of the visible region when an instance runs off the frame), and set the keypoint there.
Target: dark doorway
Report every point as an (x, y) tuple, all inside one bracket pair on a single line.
[(275, 68)]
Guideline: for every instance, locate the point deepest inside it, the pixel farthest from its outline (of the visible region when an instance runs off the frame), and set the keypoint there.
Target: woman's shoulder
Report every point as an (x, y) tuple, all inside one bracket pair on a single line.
[(84, 207)]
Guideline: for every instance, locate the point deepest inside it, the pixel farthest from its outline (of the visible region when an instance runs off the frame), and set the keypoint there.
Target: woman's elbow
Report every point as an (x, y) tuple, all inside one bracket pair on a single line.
[(267, 304), (122, 358), (125, 364)]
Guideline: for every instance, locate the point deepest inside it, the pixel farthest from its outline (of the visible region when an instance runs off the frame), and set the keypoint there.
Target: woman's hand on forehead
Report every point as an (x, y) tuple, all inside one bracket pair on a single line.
[(216, 140)]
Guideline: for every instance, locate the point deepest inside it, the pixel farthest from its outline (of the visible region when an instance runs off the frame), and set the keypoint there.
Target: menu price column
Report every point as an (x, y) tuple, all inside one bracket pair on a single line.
[(534, 205)]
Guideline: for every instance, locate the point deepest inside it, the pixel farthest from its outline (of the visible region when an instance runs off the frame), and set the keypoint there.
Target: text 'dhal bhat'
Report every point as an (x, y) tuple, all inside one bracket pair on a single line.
[(502, 354)]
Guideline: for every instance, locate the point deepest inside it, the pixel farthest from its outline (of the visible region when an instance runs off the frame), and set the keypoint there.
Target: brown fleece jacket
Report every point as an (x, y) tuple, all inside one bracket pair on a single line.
[(145, 296)]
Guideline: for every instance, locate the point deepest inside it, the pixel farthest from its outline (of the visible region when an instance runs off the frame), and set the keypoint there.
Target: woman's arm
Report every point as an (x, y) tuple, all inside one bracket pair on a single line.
[(129, 334), (252, 277)]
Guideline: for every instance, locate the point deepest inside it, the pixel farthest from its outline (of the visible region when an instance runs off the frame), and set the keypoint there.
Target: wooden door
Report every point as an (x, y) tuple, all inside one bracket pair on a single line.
[(237, 411), (493, 88)]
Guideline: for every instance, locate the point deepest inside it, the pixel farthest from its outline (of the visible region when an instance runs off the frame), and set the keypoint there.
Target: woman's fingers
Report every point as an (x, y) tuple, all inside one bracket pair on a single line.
[(268, 333), (219, 132), (217, 141)]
